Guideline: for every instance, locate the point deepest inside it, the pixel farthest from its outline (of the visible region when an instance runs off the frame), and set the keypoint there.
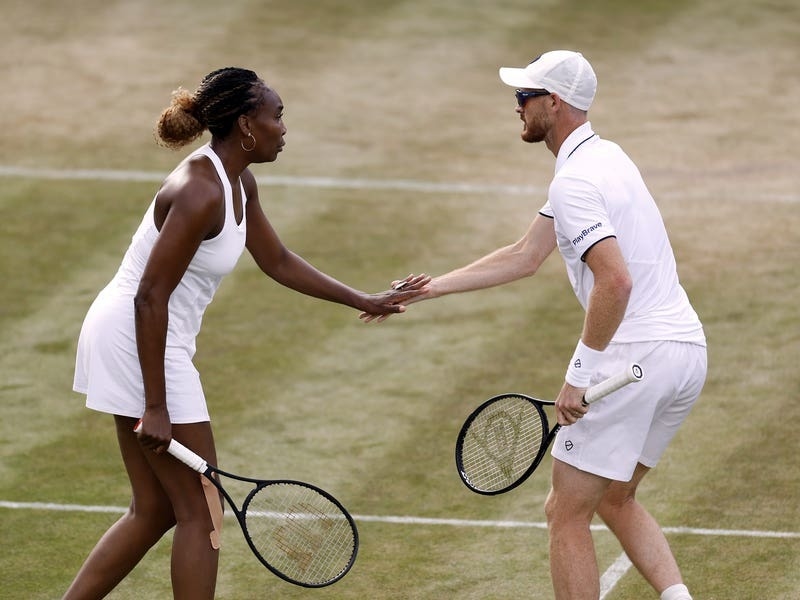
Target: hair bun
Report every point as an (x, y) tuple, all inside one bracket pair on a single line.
[(184, 100), (179, 123)]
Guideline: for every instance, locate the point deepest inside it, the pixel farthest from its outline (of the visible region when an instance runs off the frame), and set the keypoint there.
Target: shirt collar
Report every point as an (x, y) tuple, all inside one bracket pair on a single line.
[(574, 139)]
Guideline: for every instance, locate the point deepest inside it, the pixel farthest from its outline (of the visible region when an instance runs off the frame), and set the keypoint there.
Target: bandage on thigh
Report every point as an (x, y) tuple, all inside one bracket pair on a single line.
[(215, 510)]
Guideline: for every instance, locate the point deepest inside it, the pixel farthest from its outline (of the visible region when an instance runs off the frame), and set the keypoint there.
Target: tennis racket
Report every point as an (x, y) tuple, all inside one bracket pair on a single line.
[(298, 531), (503, 441)]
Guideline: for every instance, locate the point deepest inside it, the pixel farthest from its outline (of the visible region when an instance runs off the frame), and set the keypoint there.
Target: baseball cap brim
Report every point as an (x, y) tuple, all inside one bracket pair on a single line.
[(518, 78)]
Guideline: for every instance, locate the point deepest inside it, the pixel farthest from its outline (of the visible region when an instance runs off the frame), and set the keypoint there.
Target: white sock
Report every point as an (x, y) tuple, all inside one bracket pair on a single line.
[(676, 592)]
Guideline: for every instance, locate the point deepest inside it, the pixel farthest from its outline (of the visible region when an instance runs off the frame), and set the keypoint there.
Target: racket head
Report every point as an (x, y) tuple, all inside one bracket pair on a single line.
[(501, 443), (299, 532)]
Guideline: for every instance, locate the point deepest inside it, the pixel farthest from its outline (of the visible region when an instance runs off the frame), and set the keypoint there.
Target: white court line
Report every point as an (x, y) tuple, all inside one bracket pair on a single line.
[(608, 580), (280, 180), (61, 507), (408, 185), (409, 520), (613, 574)]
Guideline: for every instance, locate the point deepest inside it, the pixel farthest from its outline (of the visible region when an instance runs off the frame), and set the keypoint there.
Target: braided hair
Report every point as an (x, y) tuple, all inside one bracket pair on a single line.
[(222, 96)]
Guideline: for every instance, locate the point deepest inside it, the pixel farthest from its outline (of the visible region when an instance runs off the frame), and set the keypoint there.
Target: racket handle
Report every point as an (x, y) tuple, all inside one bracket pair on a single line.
[(182, 453), (186, 456), (630, 375)]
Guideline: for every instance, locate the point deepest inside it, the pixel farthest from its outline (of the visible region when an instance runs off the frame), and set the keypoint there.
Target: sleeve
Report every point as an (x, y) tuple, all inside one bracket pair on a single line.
[(580, 211)]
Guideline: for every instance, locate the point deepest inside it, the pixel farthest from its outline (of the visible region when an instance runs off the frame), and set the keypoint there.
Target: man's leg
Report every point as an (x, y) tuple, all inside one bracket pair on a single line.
[(639, 533), (570, 507)]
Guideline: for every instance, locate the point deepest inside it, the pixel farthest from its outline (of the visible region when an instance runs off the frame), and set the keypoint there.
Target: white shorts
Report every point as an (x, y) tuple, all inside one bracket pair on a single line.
[(636, 423), (107, 366)]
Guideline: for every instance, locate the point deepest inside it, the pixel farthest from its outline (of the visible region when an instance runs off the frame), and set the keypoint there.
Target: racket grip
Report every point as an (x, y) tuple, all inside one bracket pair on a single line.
[(182, 453), (630, 375)]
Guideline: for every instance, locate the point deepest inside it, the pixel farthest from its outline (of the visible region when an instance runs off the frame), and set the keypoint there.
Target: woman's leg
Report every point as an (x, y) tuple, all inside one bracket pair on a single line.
[(149, 516), (194, 558), (166, 493)]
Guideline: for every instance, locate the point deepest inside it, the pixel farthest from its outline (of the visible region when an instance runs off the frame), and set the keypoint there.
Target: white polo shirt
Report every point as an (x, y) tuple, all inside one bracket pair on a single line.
[(598, 192)]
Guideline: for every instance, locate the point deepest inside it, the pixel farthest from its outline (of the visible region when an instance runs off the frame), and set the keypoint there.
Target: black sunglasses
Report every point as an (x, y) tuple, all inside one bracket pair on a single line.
[(523, 96)]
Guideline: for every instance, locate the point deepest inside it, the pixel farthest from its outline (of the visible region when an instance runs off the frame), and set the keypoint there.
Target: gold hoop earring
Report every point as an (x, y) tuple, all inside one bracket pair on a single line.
[(251, 148)]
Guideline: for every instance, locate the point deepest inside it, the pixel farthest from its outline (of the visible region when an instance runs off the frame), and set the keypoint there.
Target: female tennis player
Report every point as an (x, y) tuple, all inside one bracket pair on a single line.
[(134, 358)]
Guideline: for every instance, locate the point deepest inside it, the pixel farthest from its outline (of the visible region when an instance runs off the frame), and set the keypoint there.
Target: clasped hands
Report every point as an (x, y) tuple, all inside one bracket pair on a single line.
[(404, 291)]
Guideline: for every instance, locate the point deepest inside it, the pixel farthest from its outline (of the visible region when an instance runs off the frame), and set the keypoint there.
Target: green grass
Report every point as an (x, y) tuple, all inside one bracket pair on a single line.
[(298, 388)]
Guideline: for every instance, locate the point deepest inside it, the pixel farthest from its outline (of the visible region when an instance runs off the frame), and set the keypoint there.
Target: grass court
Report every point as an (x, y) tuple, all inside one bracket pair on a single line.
[(403, 155)]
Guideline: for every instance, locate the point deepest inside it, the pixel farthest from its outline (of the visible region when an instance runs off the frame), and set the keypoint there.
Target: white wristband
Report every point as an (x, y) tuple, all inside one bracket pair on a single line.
[(583, 363)]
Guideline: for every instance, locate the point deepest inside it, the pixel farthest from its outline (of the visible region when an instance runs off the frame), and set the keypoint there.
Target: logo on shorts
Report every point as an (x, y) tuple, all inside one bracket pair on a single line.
[(569, 445)]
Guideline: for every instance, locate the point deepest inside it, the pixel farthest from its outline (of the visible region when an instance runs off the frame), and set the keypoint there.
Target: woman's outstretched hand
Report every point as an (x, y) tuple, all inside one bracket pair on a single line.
[(394, 300)]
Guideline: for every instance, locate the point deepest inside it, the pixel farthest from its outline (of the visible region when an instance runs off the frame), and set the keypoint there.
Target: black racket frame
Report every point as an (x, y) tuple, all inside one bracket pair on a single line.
[(241, 517), (547, 439)]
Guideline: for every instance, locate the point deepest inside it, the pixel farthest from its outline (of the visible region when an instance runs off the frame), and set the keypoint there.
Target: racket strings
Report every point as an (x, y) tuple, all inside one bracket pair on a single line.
[(501, 443), (300, 532)]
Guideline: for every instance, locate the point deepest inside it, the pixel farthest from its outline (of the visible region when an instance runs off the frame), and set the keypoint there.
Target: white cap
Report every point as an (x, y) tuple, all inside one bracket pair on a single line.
[(561, 72)]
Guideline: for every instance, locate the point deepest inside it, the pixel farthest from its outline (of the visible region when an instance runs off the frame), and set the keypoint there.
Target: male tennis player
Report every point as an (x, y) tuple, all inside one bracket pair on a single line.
[(610, 234)]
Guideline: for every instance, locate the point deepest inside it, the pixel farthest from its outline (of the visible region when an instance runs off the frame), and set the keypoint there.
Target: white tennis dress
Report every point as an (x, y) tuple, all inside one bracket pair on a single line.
[(107, 366)]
